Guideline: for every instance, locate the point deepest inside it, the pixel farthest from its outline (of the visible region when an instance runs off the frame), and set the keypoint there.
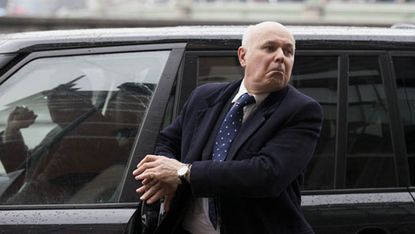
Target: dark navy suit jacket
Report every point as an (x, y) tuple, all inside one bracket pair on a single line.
[(258, 185)]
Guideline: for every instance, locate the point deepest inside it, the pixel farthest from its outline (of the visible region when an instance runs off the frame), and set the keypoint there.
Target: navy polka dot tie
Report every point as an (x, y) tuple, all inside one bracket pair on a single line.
[(224, 138), (230, 127)]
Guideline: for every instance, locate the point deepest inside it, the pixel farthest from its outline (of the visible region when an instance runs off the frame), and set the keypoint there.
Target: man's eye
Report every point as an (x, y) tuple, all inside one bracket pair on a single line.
[(269, 48), (288, 52)]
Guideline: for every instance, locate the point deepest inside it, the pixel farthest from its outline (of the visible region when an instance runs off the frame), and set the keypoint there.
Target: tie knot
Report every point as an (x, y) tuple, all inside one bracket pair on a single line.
[(245, 99)]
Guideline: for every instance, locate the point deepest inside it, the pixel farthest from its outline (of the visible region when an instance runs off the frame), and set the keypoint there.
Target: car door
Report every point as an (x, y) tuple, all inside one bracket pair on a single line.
[(73, 125), (403, 73), (357, 181)]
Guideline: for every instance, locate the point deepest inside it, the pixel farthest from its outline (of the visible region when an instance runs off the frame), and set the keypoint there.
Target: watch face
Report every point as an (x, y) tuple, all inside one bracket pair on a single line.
[(182, 171)]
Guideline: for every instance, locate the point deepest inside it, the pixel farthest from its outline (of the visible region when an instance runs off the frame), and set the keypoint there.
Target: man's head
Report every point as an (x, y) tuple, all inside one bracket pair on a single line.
[(66, 103), (267, 56)]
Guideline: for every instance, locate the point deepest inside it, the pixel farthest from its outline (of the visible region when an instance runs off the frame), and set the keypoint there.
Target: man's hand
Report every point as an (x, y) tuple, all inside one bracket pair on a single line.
[(159, 178), (20, 117), (158, 168), (153, 191)]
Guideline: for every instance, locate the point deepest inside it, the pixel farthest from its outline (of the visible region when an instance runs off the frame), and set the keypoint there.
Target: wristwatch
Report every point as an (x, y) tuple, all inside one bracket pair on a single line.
[(184, 173)]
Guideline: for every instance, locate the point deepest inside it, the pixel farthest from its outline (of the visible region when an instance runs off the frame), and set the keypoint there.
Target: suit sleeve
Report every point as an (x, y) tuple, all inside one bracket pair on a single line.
[(268, 172), (12, 153)]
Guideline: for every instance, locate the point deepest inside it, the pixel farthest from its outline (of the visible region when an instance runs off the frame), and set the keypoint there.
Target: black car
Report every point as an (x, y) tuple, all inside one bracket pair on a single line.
[(80, 108)]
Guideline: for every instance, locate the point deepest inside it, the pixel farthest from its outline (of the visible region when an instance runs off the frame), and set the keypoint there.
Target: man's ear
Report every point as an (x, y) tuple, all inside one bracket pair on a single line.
[(241, 56)]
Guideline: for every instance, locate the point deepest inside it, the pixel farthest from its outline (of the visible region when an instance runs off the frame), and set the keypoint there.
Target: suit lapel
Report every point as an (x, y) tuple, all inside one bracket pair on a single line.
[(206, 119), (256, 120), (247, 129)]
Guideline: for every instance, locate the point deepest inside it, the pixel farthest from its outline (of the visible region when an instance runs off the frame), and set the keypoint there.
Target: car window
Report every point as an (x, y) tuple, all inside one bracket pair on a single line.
[(68, 124), (405, 81), (218, 69), (316, 76), (370, 158)]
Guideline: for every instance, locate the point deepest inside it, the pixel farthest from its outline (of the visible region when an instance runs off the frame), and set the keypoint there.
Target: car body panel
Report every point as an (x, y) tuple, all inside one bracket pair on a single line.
[(361, 211)]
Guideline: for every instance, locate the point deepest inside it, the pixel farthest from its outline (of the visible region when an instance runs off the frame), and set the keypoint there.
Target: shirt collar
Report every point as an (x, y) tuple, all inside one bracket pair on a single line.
[(259, 98)]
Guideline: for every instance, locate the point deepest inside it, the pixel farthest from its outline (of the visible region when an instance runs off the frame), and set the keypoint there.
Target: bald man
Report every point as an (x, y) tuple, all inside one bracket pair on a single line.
[(234, 159)]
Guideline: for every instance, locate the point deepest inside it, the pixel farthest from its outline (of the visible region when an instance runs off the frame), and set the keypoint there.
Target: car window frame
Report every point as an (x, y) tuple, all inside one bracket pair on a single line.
[(399, 127), (152, 124), (341, 141), (166, 81), (190, 71)]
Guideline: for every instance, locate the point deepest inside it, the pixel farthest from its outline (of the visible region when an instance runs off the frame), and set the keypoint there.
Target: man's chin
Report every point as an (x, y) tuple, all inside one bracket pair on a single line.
[(277, 83), (272, 84)]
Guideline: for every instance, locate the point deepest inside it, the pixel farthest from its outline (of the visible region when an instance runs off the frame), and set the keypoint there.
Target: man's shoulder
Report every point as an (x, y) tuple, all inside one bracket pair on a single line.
[(294, 93), (210, 87), (297, 100), (214, 90)]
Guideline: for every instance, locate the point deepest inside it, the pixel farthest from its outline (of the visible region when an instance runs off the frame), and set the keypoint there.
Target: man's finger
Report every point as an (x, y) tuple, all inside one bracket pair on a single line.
[(142, 161), (141, 190), (157, 196), (140, 164), (150, 174), (147, 158), (150, 192), (145, 186), (149, 182), (145, 166), (146, 181)]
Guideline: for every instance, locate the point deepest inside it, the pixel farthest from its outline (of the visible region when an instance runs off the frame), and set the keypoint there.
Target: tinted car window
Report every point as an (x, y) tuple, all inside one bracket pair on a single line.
[(68, 136), (405, 80), (316, 76), (370, 159), (218, 69)]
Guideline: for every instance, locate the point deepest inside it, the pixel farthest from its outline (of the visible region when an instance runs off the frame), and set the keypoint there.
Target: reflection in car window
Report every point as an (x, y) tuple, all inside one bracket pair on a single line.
[(370, 158), (405, 80), (218, 69), (316, 76), (68, 125)]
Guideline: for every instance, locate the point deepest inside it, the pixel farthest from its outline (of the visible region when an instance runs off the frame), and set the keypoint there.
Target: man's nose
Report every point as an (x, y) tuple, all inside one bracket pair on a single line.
[(279, 55)]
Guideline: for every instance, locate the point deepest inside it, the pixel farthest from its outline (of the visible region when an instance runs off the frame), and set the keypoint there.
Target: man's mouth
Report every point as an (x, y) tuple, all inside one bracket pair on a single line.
[(277, 71)]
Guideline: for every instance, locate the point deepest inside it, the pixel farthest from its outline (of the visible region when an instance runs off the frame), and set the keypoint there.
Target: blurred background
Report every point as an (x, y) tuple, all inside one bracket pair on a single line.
[(29, 15)]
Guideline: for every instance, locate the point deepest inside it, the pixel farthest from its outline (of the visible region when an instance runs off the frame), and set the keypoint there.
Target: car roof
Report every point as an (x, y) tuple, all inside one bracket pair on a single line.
[(14, 42)]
